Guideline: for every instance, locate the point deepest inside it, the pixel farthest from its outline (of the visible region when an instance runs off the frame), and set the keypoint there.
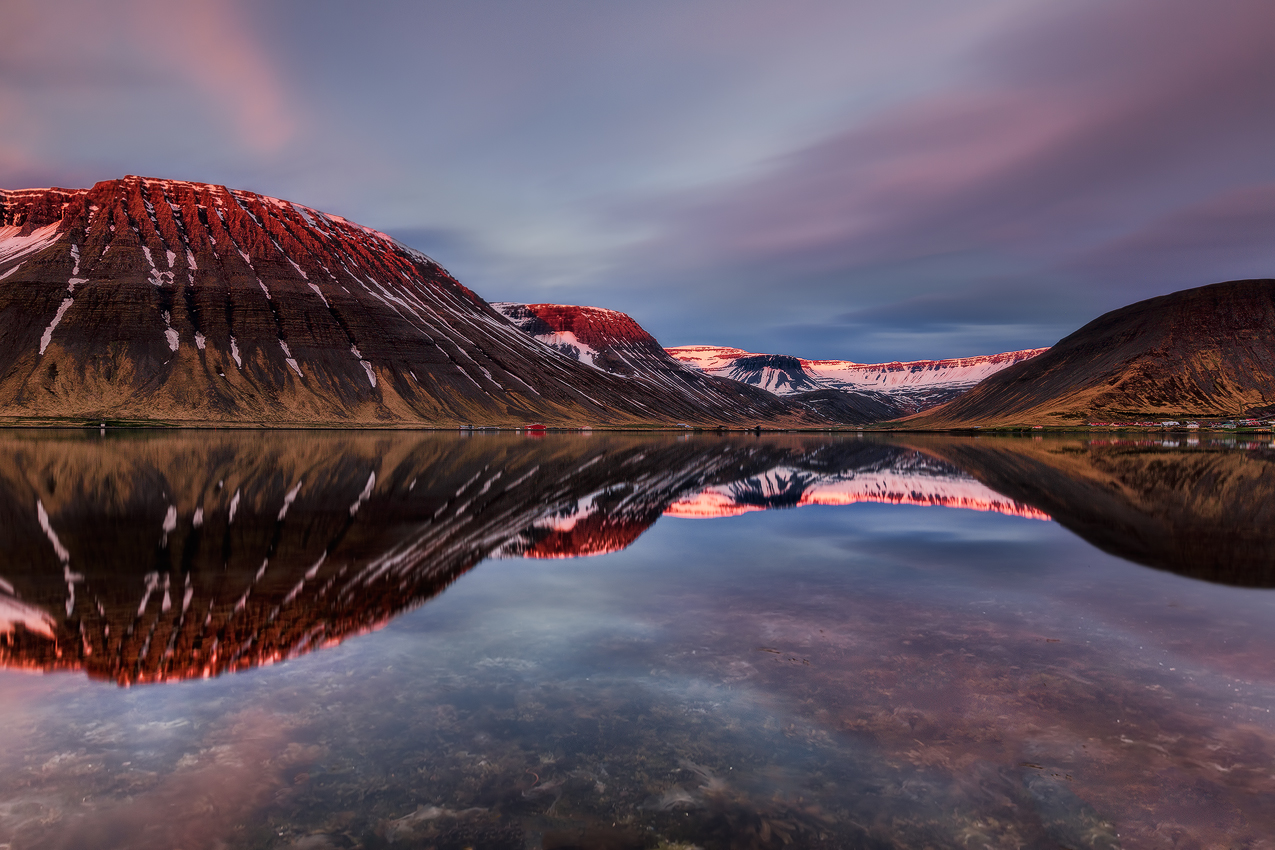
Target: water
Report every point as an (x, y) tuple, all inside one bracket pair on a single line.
[(759, 642)]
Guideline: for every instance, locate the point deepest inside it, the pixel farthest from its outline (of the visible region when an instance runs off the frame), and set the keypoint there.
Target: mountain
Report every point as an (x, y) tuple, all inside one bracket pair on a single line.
[(162, 300), (613, 342), (912, 386), (607, 339), (894, 476), (1208, 351)]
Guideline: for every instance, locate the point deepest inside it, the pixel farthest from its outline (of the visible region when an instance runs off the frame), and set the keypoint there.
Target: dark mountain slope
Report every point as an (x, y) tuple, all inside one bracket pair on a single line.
[(1208, 351), (849, 407)]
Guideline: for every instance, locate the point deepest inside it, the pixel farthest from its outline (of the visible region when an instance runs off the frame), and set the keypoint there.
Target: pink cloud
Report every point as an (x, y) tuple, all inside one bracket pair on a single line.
[(209, 44), (154, 73), (1058, 134)]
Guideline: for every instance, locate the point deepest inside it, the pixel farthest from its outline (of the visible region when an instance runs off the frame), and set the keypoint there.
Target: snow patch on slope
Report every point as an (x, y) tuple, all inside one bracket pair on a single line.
[(15, 612), (13, 246), (567, 343), (47, 336)]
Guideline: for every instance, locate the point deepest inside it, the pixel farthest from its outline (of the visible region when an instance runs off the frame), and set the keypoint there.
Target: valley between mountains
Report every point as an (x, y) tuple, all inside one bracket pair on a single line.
[(149, 301)]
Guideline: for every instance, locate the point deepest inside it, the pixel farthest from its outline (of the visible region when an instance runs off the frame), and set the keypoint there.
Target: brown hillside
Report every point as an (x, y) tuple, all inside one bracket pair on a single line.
[(1200, 352)]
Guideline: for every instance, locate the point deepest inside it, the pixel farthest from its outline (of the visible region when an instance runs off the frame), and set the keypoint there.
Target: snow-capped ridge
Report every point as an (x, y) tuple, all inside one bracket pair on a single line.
[(917, 384)]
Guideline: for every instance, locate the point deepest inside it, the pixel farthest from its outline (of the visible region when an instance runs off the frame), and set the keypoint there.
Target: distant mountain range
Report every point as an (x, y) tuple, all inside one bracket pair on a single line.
[(863, 392), (912, 386), (613, 342), (1204, 352), (161, 301)]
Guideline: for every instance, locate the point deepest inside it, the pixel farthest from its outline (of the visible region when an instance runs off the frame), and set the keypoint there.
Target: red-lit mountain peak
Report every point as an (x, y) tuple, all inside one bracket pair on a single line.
[(594, 326), (608, 339)]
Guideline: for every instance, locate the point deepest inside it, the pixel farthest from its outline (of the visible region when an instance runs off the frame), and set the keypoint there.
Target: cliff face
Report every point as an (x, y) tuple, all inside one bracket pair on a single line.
[(607, 339), (1208, 351), (185, 302)]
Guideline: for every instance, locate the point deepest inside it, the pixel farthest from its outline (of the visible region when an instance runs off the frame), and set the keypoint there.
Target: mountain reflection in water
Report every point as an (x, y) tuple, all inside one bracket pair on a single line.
[(1204, 510), (919, 658), (145, 558)]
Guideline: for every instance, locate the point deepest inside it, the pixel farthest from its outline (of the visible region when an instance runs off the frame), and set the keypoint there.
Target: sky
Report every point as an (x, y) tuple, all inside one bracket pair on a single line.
[(868, 181)]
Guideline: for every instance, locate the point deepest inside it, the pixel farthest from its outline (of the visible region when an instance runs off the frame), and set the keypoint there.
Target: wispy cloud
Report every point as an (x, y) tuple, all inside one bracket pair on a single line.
[(140, 84), (1053, 156), (208, 44), (729, 170)]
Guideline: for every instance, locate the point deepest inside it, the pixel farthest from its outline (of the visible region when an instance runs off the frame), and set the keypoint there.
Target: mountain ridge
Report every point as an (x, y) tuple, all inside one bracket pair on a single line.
[(910, 385), (171, 302)]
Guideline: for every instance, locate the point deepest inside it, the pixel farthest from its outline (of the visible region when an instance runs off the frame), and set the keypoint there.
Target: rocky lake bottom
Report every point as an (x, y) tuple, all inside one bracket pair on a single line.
[(432, 641)]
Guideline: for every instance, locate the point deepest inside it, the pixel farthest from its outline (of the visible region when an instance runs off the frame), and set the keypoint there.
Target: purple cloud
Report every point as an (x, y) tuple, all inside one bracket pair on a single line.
[(869, 180), (1057, 154)]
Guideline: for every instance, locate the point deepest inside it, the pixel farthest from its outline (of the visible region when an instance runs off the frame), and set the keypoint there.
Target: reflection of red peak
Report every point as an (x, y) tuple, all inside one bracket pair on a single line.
[(160, 644), (710, 504), (595, 534)]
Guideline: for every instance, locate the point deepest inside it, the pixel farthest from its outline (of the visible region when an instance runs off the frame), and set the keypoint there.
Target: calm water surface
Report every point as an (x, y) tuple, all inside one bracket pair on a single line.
[(403, 640)]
